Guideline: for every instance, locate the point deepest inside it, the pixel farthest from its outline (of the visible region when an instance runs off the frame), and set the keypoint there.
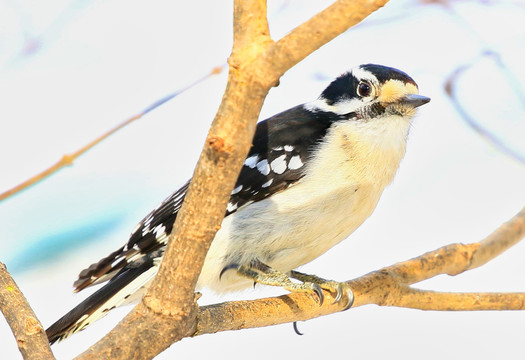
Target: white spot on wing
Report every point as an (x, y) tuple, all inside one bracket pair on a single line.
[(268, 183), (237, 189), (279, 164), (160, 231), (146, 225), (288, 148), (295, 163), (278, 148), (263, 167), (178, 196), (251, 162), (231, 207)]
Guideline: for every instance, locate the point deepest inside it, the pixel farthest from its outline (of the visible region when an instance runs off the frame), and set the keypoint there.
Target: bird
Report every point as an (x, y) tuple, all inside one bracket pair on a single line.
[(313, 175)]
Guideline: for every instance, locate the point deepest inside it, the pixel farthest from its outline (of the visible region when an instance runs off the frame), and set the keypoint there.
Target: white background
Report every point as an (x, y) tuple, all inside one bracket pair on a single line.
[(70, 70)]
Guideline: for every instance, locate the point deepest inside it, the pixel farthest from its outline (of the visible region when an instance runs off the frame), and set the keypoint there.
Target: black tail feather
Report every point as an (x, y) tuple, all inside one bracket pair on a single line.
[(79, 317)]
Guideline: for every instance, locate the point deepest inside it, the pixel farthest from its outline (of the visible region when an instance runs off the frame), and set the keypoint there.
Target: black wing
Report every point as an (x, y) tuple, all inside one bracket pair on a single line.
[(278, 158), (274, 162)]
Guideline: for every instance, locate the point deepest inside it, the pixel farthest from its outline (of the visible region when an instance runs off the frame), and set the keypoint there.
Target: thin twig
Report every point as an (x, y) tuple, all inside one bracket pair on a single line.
[(475, 125), (68, 159), (29, 333)]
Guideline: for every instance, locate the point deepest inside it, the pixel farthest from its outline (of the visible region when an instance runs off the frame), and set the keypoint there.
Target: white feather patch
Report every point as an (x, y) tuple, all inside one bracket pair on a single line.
[(251, 161), (263, 167), (278, 165)]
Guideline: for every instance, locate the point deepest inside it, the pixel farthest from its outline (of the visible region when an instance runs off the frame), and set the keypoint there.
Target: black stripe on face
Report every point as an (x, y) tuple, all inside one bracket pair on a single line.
[(369, 112), (385, 73), (344, 87), (375, 110)]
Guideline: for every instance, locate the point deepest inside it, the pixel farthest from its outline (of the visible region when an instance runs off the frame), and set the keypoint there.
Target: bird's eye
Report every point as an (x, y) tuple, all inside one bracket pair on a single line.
[(364, 89)]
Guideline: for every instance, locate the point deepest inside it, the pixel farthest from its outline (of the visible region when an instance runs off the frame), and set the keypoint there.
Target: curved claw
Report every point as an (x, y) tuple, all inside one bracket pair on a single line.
[(229, 267), (319, 292), (296, 329), (350, 295), (338, 293)]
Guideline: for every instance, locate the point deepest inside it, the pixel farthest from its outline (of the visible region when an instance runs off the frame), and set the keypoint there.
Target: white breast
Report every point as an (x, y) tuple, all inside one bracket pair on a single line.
[(340, 189)]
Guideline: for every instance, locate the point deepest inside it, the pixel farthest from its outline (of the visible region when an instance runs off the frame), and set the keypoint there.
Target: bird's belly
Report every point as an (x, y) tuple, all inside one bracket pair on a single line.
[(285, 233)]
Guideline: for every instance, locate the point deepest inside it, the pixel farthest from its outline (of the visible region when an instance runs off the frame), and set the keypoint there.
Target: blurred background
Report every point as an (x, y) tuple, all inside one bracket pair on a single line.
[(71, 70)]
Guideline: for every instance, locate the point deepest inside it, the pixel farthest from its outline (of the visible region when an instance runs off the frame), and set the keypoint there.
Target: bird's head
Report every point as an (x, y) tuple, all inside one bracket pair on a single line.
[(371, 91)]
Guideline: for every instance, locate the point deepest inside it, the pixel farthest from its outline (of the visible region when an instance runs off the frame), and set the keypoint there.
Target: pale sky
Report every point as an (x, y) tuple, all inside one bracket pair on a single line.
[(71, 70)]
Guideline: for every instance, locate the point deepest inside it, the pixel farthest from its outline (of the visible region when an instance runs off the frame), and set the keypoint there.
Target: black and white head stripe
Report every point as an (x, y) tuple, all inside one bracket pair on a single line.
[(345, 86), (382, 74), (356, 88)]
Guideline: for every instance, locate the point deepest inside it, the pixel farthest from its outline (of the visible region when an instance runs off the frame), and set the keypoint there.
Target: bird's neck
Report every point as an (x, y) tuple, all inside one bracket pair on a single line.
[(363, 153)]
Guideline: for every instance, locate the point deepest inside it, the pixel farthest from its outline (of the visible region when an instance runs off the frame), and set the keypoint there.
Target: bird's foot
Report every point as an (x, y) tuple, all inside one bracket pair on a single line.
[(337, 289), (264, 274)]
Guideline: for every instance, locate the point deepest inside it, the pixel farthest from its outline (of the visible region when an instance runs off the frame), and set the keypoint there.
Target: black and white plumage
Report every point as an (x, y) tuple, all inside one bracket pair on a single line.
[(314, 173)]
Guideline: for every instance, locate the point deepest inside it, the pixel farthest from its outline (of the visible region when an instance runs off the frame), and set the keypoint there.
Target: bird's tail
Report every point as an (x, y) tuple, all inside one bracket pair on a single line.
[(124, 287)]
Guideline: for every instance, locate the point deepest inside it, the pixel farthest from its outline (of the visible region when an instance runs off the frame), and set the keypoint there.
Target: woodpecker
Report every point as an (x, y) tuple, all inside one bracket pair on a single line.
[(313, 174)]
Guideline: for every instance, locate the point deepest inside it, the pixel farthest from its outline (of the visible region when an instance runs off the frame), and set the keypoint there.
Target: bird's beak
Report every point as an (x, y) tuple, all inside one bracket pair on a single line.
[(415, 100)]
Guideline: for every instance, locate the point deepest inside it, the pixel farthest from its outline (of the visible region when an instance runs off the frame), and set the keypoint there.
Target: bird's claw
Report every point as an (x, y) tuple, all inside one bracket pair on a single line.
[(262, 273), (229, 267), (340, 289), (296, 329), (318, 291), (338, 293), (350, 295)]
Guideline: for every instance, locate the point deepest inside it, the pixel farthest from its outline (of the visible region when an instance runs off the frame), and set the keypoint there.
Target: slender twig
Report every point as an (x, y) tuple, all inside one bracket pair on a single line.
[(29, 333), (475, 125), (68, 159)]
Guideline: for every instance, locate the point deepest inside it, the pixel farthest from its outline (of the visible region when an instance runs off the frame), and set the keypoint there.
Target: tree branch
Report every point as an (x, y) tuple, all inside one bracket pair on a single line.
[(69, 159), (386, 287), (29, 333), (450, 85), (440, 301), (319, 30), (168, 311)]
